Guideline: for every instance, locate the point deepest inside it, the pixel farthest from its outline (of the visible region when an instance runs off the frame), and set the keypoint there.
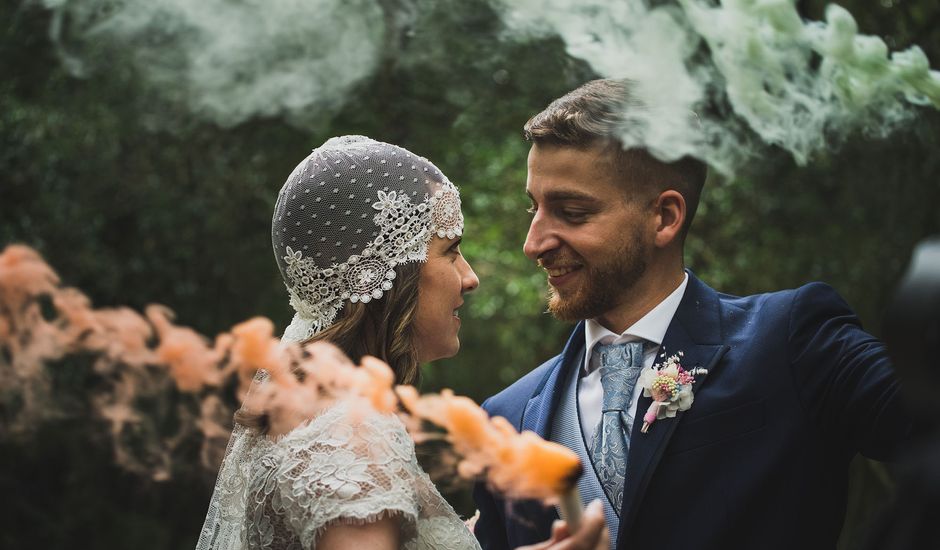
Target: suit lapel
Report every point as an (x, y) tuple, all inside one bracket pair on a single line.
[(538, 412), (695, 330), (537, 417)]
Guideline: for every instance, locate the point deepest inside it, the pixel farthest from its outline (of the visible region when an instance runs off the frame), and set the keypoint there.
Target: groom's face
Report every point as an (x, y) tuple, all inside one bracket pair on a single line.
[(592, 239)]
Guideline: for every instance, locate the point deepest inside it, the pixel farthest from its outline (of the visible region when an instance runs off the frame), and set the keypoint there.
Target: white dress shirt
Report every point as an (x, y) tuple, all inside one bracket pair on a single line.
[(651, 328)]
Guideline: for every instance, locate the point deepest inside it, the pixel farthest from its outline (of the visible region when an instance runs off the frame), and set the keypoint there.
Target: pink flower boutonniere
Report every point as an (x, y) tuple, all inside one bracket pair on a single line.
[(670, 386)]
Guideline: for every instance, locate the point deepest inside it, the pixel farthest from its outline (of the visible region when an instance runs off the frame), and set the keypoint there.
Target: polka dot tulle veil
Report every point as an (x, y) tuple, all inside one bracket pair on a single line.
[(348, 214)]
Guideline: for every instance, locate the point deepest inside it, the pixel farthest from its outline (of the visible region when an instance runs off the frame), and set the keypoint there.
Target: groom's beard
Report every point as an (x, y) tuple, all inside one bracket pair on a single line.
[(602, 285)]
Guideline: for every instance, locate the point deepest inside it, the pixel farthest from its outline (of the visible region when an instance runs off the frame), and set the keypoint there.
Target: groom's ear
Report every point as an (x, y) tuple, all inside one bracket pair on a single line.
[(670, 211)]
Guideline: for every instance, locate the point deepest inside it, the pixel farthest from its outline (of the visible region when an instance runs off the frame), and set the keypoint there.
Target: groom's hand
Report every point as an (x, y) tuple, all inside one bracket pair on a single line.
[(592, 535)]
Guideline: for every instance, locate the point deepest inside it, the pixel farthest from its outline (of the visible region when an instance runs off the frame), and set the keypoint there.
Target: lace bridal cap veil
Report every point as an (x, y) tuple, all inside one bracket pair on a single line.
[(348, 214)]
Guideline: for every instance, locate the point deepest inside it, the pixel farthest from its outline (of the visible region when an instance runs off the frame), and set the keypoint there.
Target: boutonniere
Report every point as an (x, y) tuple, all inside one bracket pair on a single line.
[(670, 386)]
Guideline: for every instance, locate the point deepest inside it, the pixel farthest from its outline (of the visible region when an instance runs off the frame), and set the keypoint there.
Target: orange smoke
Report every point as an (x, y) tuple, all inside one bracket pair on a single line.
[(23, 275), (254, 347), (153, 383), (303, 382), (150, 359), (517, 465), (192, 363)]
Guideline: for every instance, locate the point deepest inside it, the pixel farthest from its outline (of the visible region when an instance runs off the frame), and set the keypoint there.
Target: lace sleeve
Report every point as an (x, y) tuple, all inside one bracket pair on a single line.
[(344, 466)]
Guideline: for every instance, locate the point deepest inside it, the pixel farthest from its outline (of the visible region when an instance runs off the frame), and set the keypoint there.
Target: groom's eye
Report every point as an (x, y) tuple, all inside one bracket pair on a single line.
[(532, 209), (574, 215)]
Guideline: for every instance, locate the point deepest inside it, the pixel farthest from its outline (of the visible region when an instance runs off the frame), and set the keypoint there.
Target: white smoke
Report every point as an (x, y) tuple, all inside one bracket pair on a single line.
[(752, 71), (231, 60), (797, 85)]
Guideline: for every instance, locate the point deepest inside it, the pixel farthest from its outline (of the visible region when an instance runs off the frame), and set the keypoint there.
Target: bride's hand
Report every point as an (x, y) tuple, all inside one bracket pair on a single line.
[(592, 535)]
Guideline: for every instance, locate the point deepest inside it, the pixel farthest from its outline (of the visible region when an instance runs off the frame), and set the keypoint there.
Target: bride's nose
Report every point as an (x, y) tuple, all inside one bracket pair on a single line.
[(469, 280)]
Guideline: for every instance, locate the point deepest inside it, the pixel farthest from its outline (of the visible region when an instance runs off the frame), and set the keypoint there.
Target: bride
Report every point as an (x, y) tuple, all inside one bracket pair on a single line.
[(367, 238)]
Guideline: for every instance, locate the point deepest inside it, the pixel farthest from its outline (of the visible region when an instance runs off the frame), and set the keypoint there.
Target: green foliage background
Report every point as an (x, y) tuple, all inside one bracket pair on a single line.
[(134, 200)]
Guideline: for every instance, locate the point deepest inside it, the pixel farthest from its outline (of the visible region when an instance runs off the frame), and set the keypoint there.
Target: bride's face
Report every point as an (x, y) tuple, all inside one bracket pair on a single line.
[(444, 279)]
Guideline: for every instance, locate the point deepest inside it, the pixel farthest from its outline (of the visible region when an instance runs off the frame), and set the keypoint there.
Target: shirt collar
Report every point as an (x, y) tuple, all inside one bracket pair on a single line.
[(651, 327)]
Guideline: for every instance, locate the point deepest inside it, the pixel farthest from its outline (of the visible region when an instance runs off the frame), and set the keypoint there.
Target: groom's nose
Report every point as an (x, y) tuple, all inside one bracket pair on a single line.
[(540, 238)]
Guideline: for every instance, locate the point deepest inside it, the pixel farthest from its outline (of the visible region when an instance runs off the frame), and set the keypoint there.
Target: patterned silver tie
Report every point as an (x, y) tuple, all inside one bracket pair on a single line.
[(620, 365)]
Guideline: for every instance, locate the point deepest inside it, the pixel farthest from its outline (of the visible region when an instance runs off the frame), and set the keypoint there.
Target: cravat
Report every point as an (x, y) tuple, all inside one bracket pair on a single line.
[(620, 365)]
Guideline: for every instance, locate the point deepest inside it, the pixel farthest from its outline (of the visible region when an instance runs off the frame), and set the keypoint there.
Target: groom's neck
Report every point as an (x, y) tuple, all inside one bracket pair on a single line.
[(658, 282)]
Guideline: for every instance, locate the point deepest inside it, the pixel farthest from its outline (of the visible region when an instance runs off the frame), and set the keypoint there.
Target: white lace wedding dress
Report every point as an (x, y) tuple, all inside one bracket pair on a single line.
[(344, 466)]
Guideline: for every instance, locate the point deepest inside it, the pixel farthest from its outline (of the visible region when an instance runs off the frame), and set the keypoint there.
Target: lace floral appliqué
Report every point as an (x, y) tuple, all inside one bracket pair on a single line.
[(404, 231)]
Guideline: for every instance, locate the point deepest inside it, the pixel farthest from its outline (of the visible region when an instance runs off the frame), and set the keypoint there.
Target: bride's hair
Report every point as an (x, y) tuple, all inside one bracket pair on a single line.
[(382, 328)]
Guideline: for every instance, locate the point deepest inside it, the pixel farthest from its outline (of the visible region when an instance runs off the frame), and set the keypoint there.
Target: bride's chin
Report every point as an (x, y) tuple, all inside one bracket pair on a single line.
[(428, 356)]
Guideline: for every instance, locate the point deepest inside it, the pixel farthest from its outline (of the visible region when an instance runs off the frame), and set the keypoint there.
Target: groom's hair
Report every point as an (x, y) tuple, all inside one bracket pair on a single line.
[(595, 114)]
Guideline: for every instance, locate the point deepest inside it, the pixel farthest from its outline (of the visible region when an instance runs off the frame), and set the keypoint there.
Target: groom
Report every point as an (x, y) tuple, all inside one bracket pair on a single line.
[(788, 387)]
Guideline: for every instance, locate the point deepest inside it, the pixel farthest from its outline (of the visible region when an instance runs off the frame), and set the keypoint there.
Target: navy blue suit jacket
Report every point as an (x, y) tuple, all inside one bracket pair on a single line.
[(795, 388)]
